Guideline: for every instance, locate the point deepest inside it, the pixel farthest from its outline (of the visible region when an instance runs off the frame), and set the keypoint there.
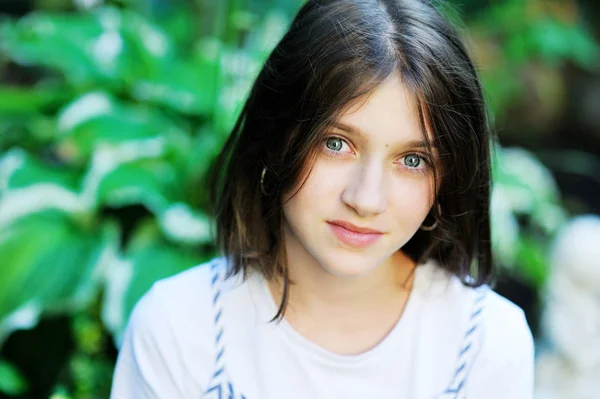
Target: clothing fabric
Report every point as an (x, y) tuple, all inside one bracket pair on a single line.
[(197, 335)]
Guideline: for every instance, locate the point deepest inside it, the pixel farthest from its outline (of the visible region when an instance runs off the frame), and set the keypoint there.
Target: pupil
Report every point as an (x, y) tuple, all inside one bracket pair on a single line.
[(334, 144), (412, 161)]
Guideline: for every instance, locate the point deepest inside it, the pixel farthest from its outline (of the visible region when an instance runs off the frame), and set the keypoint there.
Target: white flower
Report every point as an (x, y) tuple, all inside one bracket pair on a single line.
[(572, 321), (576, 250)]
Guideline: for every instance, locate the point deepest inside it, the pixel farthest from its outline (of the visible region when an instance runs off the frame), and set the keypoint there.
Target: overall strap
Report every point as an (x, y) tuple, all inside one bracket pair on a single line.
[(219, 386), (468, 352)]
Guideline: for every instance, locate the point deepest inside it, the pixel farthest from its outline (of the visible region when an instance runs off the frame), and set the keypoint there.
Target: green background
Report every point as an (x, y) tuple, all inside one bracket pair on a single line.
[(112, 111)]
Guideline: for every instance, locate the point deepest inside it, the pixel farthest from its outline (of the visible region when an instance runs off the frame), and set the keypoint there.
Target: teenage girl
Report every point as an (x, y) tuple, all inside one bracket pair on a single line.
[(352, 215)]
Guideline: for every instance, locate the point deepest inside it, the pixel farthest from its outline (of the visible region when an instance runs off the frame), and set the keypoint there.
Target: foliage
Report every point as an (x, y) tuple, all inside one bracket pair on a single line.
[(107, 132), (103, 159), (521, 45)]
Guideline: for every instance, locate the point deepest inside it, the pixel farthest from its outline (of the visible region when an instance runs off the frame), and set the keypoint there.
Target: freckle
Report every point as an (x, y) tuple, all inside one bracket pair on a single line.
[(386, 146)]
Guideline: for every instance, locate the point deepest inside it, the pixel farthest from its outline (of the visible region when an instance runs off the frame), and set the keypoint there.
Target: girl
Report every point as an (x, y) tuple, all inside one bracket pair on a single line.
[(351, 205)]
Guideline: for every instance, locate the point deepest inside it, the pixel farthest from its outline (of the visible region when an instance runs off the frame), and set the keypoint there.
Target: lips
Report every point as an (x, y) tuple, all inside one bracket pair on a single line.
[(353, 235), (351, 227)]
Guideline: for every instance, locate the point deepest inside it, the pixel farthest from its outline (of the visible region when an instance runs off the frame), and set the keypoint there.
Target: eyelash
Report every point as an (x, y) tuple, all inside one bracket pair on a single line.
[(421, 156)]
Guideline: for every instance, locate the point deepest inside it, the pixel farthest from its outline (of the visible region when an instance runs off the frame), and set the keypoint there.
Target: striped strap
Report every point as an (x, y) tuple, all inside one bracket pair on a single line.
[(219, 386), (468, 352)]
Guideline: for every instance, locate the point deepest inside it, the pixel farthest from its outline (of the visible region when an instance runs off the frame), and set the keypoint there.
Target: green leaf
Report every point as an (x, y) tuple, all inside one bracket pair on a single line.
[(186, 87), (153, 183), (20, 100), (153, 258), (12, 381), (108, 45), (36, 198), (549, 40), (533, 261), (147, 258), (504, 229), (29, 186), (527, 183), (200, 156), (97, 119), (585, 50), (69, 44), (122, 172), (47, 260), (19, 169), (149, 45)]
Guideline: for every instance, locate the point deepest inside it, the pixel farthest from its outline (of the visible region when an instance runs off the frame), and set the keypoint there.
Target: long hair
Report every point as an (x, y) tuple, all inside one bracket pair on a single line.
[(334, 54)]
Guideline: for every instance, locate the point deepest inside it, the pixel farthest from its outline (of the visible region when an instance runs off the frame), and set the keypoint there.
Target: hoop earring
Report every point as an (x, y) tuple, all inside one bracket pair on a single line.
[(434, 225), (429, 228), (262, 181)]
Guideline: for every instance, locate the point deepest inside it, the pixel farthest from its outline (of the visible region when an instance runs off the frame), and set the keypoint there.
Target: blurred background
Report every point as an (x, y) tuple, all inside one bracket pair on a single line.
[(112, 110)]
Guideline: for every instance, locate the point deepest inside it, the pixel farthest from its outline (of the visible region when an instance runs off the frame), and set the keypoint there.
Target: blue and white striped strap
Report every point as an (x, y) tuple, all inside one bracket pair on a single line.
[(219, 387), (468, 352)]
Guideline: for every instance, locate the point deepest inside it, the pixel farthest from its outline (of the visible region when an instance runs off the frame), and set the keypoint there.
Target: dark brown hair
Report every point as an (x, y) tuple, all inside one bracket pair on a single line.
[(334, 54)]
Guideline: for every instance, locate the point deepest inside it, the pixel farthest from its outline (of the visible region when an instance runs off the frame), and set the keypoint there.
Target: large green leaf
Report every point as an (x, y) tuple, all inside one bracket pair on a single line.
[(73, 45), (201, 154), (186, 87), (19, 169), (533, 260), (29, 186), (504, 229), (20, 100), (12, 381), (35, 132), (523, 186), (147, 259), (107, 45), (525, 180), (152, 183), (48, 263), (98, 119), (148, 43), (163, 76), (557, 41), (28, 201)]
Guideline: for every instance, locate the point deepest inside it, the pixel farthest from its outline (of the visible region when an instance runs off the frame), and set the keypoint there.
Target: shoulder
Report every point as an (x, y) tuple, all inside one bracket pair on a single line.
[(503, 324), (183, 302), (170, 333), (496, 355), (192, 284), (506, 334), (504, 365)]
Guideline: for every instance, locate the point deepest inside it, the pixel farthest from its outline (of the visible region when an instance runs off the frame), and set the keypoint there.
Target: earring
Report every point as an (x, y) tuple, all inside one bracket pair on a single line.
[(429, 228), (262, 180), (434, 225)]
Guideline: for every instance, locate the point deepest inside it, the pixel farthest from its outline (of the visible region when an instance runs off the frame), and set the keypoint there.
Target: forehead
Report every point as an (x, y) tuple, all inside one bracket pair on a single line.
[(390, 112)]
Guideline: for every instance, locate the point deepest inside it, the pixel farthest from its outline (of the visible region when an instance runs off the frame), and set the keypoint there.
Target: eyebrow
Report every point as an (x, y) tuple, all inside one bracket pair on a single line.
[(357, 131)]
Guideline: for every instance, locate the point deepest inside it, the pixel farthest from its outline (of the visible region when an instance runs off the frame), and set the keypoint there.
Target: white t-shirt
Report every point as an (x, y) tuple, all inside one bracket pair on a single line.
[(196, 335)]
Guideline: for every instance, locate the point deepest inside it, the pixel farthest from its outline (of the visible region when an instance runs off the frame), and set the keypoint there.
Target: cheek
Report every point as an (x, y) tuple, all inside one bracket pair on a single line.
[(324, 180), (411, 200), (319, 187)]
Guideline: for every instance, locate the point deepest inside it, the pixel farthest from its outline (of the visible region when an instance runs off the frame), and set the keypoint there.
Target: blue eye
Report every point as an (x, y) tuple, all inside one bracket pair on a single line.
[(334, 143), (416, 163), (412, 161)]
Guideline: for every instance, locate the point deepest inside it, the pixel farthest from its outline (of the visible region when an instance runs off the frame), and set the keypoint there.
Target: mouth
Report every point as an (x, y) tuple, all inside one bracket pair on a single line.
[(354, 236)]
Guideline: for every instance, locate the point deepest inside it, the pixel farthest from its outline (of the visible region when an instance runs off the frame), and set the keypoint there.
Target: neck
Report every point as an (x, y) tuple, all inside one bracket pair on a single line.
[(346, 315), (315, 287)]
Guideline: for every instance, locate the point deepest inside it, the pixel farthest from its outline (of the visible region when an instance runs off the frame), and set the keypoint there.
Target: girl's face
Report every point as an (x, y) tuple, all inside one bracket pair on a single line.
[(370, 188)]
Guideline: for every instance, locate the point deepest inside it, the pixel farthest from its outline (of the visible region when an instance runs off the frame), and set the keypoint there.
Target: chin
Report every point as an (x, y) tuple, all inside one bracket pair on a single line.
[(350, 265)]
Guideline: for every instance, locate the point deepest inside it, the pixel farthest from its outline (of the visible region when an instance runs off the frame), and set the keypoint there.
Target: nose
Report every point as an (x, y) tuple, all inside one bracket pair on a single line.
[(365, 192)]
